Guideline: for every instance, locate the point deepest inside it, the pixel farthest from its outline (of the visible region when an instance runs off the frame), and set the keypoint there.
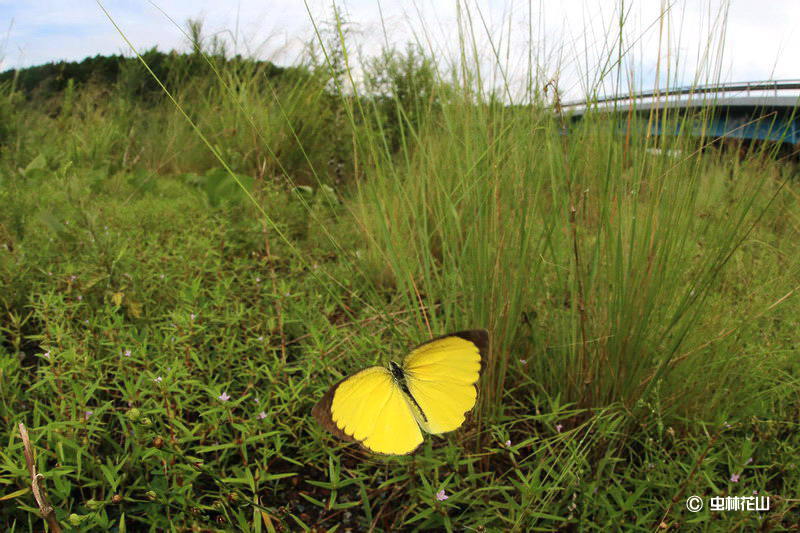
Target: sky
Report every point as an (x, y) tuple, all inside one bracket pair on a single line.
[(571, 41)]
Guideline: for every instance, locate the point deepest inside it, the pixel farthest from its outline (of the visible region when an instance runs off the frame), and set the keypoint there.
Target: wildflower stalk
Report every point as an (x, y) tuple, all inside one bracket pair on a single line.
[(37, 483)]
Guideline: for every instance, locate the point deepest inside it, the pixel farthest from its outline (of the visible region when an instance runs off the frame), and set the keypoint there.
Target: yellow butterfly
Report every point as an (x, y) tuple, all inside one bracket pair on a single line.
[(383, 408)]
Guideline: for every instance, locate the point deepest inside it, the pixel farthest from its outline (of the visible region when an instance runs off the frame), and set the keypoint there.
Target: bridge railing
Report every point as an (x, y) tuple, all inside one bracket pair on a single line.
[(774, 86)]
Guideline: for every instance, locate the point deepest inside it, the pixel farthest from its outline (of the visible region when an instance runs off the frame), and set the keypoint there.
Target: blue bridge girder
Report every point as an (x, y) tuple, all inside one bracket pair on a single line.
[(756, 110)]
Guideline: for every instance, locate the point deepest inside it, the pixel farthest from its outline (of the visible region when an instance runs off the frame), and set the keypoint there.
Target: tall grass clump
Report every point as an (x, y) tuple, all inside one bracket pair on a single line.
[(598, 263)]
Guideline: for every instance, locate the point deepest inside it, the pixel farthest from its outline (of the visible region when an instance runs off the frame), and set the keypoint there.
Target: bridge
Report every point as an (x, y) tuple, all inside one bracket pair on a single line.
[(754, 110)]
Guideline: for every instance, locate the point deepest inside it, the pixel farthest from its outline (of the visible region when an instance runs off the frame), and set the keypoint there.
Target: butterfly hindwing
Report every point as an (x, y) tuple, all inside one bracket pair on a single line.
[(370, 407), (441, 376)]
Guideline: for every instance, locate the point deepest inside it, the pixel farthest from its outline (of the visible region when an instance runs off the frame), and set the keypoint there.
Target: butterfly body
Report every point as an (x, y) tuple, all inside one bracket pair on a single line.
[(400, 379), (385, 408)]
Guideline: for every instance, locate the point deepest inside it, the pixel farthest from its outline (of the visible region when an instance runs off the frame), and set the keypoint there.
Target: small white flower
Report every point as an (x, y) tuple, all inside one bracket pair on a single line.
[(159, 379)]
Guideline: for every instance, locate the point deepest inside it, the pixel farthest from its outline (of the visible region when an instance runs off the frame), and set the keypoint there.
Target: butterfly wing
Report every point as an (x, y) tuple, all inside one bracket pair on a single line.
[(369, 407), (441, 376)]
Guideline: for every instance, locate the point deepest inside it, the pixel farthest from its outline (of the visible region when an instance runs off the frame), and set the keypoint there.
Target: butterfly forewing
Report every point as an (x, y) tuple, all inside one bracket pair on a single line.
[(371, 408), (441, 376)]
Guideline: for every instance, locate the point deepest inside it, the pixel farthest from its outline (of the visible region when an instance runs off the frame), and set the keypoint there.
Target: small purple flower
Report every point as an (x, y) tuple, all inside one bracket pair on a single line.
[(441, 496), (127, 353), (262, 415), (523, 361), (559, 427), (73, 278), (80, 297), (261, 338), (258, 280), (87, 414), (508, 443), (750, 460), (735, 478), (256, 399), (46, 354), (192, 316), (159, 379), (223, 397)]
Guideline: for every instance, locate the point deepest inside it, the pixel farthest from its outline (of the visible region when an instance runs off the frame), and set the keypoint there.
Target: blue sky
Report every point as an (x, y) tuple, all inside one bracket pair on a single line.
[(570, 37)]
